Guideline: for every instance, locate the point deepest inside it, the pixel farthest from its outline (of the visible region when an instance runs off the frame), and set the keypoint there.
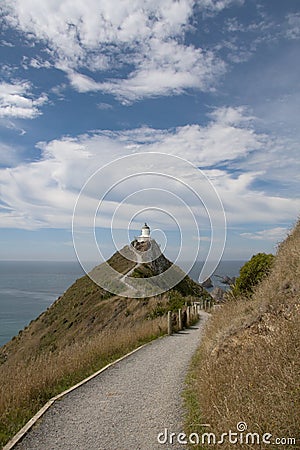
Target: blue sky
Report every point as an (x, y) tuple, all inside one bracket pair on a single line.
[(83, 83)]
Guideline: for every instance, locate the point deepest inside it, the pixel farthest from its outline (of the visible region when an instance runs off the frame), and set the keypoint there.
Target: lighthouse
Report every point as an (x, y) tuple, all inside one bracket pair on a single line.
[(145, 234)]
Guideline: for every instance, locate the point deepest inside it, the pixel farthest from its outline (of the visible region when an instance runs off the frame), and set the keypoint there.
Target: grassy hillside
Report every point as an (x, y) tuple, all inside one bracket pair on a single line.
[(79, 333), (166, 273), (248, 367)]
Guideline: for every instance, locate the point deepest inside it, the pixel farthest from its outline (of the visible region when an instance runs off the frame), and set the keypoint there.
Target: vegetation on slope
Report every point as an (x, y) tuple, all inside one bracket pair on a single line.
[(82, 331), (122, 261), (166, 273), (251, 274), (26, 384), (247, 367)]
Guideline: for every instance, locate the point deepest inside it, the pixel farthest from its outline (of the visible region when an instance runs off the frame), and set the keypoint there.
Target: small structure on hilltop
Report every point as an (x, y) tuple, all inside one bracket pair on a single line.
[(145, 234)]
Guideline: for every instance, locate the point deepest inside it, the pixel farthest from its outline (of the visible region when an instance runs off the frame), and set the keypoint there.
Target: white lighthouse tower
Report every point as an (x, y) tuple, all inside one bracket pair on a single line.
[(145, 234)]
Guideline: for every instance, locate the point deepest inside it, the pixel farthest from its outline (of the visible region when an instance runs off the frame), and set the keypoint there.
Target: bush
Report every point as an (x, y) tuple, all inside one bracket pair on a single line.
[(176, 300), (251, 274)]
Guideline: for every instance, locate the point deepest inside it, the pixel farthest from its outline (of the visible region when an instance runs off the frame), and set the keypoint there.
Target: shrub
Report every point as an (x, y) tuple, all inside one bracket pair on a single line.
[(176, 300), (251, 274)]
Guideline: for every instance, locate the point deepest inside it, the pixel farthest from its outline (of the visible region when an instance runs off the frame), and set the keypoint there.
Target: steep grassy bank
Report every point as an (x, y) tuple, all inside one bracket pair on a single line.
[(247, 367)]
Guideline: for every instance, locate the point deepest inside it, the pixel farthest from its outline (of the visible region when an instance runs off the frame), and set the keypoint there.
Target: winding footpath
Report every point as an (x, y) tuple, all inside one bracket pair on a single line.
[(128, 274), (127, 405)]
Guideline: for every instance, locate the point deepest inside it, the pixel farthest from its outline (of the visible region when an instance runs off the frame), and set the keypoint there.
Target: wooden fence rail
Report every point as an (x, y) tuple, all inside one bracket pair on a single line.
[(185, 317)]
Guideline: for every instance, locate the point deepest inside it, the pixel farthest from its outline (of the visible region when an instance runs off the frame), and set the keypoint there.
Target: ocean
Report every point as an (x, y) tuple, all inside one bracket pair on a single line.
[(229, 268), (27, 288)]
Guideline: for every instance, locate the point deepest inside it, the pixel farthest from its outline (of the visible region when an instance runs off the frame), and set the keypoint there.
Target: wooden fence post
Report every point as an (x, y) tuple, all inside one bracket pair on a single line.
[(188, 315), (169, 323), (180, 319)]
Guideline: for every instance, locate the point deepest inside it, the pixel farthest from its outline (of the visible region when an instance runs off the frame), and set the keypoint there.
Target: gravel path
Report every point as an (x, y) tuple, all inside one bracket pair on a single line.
[(126, 406), (128, 274)]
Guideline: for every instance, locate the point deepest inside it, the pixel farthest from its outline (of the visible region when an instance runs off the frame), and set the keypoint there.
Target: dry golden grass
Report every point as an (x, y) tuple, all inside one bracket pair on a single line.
[(248, 367), (27, 385)]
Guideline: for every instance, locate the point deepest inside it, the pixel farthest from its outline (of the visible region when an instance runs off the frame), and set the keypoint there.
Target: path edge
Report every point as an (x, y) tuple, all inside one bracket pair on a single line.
[(26, 428)]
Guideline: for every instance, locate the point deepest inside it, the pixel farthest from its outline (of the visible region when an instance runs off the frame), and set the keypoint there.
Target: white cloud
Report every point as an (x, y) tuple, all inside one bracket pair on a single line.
[(5, 43), (37, 63), (293, 26), (274, 234), (245, 205), (243, 38), (83, 83), (146, 39), (278, 161), (231, 115), (43, 193), (12, 125), (214, 6), (16, 101), (104, 106), (10, 156), (170, 68), (167, 68), (82, 26)]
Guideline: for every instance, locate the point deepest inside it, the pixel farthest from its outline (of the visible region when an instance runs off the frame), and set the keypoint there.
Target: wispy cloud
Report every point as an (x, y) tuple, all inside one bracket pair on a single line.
[(10, 156), (36, 63), (17, 101), (167, 68), (5, 43), (104, 106), (292, 28), (146, 40), (274, 234), (43, 193), (243, 38)]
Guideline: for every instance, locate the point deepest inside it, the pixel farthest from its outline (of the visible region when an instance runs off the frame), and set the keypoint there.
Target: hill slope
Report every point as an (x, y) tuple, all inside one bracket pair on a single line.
[(248, 367), (141, 270), (86, 309), (79, 333)]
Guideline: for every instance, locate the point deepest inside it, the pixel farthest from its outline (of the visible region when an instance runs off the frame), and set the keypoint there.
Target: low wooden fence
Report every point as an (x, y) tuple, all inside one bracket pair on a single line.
[(186, 316)]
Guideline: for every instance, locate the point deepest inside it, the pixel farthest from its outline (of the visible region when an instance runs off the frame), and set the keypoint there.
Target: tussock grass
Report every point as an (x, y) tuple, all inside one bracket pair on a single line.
[(27, 384), (247, 367)]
